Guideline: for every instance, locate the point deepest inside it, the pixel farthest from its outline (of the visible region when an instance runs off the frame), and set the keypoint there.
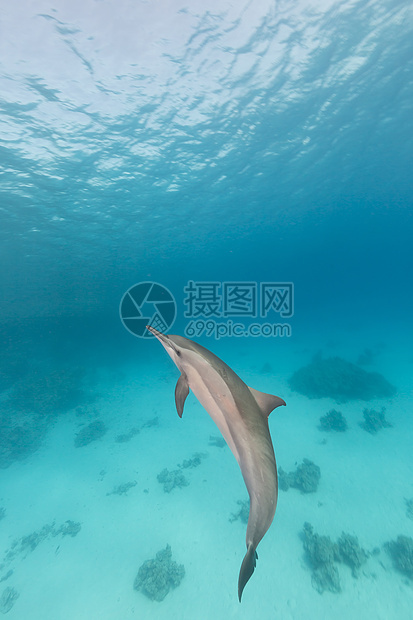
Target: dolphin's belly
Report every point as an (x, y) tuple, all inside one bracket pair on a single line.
[(219, 403), (254, 454), (252, 447)]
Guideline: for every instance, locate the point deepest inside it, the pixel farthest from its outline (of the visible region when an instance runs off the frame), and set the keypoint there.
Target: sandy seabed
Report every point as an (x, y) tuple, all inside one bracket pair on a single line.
[(365, 480)]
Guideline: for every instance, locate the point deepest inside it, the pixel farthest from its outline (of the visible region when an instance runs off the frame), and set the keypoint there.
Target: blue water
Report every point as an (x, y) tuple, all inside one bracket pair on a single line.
[(169, 142)]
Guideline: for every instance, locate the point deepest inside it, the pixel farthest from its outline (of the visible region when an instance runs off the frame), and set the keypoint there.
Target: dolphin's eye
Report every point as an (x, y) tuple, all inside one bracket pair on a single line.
[(178, 353)]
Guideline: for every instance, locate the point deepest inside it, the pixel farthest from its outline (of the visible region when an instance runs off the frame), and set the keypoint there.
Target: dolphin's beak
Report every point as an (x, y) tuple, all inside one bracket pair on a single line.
[(161, 337)]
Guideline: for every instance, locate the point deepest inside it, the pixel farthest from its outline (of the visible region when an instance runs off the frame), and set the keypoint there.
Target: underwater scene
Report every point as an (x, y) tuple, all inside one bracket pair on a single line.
[(206, 292)]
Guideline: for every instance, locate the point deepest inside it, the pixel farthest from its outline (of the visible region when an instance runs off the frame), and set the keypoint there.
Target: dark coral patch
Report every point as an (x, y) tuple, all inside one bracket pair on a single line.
[(336, 378), (157, 577)]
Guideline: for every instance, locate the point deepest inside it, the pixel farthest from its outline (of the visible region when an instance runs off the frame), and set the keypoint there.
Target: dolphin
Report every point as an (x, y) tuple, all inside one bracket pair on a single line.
[(241, 414)]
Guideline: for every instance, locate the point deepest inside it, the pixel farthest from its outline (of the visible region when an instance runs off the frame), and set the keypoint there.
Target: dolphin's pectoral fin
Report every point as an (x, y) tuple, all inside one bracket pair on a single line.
[(247, 568), (266, 402), (181, 392)]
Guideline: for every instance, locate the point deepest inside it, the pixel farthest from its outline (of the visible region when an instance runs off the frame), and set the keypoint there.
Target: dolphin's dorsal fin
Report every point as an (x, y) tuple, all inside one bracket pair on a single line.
[(181, 392), (266, 402)]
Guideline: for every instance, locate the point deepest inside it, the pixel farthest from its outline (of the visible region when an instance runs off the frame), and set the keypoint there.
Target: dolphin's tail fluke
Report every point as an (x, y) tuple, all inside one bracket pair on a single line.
[(247, 568)]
